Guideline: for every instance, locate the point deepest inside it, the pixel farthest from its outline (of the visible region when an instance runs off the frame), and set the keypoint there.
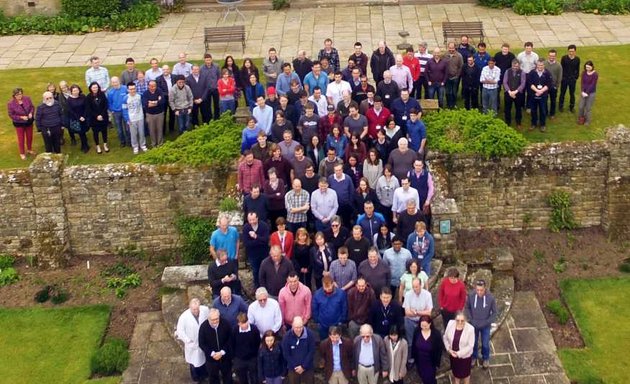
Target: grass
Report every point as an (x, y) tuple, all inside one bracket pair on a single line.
[(613, 82), (601, 312), (41, 345)]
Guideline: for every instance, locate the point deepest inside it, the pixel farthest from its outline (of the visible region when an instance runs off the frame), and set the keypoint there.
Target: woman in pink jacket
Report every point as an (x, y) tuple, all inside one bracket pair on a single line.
[(21, 112)]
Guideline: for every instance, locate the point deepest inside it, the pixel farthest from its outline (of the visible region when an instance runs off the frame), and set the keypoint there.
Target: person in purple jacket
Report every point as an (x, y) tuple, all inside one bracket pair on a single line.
[(436, 76), (21, 112), (589, 87)]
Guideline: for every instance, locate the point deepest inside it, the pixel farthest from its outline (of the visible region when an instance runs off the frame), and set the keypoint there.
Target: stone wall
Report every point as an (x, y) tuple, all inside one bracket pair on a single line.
[(53, 211), (510, 193), (39, 7)]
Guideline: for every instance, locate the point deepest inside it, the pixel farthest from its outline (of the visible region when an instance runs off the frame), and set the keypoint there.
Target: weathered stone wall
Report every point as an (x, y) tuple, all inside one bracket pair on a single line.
[(511, 193), (616, 210), (40, 7), (17, 213)]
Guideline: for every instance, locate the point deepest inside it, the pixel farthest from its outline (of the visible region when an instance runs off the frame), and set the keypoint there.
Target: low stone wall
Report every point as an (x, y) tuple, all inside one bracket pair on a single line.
[(39, 7), (53, 211)]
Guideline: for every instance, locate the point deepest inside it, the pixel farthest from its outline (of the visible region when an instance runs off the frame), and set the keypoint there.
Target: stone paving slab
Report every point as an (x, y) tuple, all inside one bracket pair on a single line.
[(288, 30)]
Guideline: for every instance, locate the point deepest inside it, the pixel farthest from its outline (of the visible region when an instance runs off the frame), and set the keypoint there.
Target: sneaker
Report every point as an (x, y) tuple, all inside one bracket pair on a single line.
[(144, 148), (473, 362), (98, 149), (486, 364), (22, 156), (532, 127), (73, 141), (135, 151), (105, 147), (543, 128)]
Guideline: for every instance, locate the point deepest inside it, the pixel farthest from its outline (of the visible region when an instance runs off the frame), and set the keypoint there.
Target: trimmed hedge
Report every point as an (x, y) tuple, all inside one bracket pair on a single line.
[(98, 8), (111, 358), (556, 7), (140, 15), (462, 131)]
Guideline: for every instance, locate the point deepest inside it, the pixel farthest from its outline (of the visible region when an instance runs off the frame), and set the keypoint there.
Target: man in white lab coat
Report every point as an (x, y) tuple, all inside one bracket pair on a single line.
[(188, 332)]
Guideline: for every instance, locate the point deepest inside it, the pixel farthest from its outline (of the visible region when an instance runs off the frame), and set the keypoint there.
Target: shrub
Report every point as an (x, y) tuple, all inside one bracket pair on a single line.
[(559, 310), (496, 3), (194, 232), (55, 293), (604, 7), (461, 131), (6, 261), (131, 251), (118, 270), (43, 295), (279, 4), (111, 358), (228, 204), (561, 214), (139, 15), (98, 8), (215, 144), (625, 266), (121, 284), (538, 7)]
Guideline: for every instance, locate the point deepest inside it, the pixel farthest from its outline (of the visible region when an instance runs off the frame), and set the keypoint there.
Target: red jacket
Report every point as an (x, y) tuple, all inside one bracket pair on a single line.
[(325, 125), (414, 66), (374, 120), (452, 297), (287, 250), (226, 89), (250, 175)]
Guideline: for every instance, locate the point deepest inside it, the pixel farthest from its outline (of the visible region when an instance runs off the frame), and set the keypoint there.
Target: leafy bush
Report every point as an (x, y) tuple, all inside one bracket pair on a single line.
[(496, 3), (279, 4), (559, 310), (97, 8), (215, 144), (228, 204), (625, 266), (131, 251), (561, 214), (194, 232), (118, 270), (55, 293), (140, 15), (43, 295), (111, 358), (605, 7), (121, 284), (6, 261), (461, 131), (538, 7)]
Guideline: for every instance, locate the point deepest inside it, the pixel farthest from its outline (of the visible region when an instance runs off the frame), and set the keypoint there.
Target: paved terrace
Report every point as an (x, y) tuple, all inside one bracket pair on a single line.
[(523, 351), (291, 29)]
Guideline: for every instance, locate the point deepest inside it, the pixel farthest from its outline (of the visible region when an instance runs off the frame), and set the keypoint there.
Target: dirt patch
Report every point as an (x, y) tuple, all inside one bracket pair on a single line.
[(542, 259), (88, 287)]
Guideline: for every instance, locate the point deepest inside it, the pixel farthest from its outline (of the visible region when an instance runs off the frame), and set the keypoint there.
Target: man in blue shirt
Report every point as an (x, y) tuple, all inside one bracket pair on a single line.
[(225, 237), (402, 106)]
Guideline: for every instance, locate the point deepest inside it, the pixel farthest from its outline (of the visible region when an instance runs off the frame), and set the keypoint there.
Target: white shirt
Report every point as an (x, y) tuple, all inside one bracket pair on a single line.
[(490, 74), (402, 76), (528, 62), (265, 318), (322, 105), (401, 197), (421, 302), (188, 332), (335, 91)]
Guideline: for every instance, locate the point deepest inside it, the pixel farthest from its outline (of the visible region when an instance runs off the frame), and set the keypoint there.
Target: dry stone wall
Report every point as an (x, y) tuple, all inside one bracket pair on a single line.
[(53, 211)]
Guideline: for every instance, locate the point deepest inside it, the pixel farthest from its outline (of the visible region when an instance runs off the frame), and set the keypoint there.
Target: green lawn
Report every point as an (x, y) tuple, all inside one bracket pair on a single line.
[(601, 311), (611, 96), (39, 345)]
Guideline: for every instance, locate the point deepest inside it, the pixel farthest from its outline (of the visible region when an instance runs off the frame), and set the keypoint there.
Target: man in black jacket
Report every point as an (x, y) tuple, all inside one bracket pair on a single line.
[(165, 82), (215, 340), (245, 344), (382, 59), (49, 120), (223, 272), (200, 89)]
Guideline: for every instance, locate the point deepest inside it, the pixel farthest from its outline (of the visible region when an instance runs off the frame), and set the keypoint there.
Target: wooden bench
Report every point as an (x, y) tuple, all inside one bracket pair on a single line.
[(455, 29), (224, 35), (429, 105)]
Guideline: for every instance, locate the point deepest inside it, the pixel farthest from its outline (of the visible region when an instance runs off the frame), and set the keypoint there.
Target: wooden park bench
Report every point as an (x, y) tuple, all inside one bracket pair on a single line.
[(224, 35), (455, 29)]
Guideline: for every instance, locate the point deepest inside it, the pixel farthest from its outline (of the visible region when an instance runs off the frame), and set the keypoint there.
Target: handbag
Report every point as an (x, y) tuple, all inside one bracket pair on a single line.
[(75, 126)]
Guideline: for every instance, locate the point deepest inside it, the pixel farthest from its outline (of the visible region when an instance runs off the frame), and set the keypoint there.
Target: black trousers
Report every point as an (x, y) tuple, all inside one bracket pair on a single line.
[(211, 106), (570, 86), (219, 369), (246, 370), (52, 139), (471, 98), (171, 119), (518, 103)]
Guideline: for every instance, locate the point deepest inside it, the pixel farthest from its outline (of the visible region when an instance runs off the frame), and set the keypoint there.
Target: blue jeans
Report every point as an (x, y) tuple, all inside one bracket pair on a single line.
[(489, 100), (433, 88), (228, 105), (320, 226), (485, 343), (426, 264), (121, 128), (410, 328), (293, 227), (183, 120), (451, 91), (539, 110)]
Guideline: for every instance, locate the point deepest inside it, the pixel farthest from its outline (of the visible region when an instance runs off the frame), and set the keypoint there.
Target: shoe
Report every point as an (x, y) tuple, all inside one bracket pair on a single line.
[(31, 152), (144, 148), (528, 111), (63, 141), (98, 149), (105, 147), (519, 127), (22, 156), (543, 128), (532, 127), (572, 109), (561, 109), (552, 117), (85, 149), (473, 362), (122, 145), (73, 141), (486, 364), (581, 120), (135, 151)]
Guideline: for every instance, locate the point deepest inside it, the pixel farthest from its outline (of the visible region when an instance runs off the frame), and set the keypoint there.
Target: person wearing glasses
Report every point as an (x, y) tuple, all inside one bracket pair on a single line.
[(49, 119), (215, 339), (370, 356), (481, 309), (265, 312), (459, 341), (21, 112)]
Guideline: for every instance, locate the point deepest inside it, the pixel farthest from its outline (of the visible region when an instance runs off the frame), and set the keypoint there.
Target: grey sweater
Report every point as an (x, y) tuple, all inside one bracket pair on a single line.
[(180, 98)]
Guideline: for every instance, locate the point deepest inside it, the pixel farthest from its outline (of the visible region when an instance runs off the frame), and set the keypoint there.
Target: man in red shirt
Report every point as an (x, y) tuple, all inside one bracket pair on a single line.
[(411, 61)]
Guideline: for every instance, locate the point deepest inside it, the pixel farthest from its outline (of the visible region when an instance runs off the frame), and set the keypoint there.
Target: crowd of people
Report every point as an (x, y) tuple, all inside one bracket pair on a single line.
[(315, 97)]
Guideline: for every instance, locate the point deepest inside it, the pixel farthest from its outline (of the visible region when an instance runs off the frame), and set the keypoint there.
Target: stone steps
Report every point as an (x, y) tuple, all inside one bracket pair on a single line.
[(362, 3)]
